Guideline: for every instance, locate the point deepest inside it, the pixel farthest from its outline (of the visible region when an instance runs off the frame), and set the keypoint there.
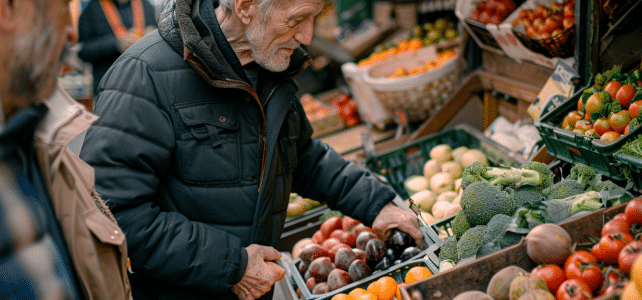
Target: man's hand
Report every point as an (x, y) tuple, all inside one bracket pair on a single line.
[(392, 217), (126, 41), (261, 272)]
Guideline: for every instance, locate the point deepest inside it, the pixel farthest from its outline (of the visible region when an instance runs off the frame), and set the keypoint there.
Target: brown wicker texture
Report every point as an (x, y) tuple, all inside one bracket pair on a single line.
[(561, 45)]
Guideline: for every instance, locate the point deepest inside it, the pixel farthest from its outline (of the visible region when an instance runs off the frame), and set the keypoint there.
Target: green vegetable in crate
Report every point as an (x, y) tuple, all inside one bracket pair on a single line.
[(525, 195), (460, 224), (449, 250), (481, 200), (583, 174), (496, 228), (530, 175), (605, 186), (470, 242), (564, 189)]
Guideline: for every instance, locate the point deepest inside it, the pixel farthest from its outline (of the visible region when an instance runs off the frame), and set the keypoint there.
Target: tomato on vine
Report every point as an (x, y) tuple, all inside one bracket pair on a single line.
[(628, 255), (633, 211), (609, 247), (573, 289), (583, 265), (552, 274)]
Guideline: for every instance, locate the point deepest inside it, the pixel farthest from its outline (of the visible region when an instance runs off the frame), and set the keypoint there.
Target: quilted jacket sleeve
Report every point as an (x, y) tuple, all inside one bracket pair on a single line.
[(129, 147)]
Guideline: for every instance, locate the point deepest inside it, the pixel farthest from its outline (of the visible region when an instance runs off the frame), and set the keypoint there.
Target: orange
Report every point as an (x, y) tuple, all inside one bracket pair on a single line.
[(374, 288), (417, 273), (356, 293), (387, 288), (342, 297), (368, 296)]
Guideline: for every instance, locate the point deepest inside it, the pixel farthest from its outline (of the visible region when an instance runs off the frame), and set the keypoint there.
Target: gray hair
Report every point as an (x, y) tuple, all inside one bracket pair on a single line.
[(265, 6)]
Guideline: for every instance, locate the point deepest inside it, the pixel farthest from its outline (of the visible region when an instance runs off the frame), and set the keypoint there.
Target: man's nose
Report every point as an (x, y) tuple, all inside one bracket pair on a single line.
[(305, 31)]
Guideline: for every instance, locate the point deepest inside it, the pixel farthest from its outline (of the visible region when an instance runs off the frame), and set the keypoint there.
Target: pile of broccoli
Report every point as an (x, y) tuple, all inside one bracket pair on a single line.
[(494, 198)]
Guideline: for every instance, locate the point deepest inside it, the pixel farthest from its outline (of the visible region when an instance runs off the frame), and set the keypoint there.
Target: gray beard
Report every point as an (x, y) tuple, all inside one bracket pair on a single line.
[(272, 61)]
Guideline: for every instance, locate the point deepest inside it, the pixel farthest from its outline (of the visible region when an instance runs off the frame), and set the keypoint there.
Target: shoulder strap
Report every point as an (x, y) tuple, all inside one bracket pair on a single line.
[(116, 23)]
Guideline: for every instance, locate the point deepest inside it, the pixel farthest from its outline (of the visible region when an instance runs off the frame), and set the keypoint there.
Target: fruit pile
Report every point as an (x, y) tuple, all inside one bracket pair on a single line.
[(423, 35), (611, 266), (344, 250), (385, 287), (547, 21), (299, 205), (610, 108), (443, 57), (436, 193), (492, 11)]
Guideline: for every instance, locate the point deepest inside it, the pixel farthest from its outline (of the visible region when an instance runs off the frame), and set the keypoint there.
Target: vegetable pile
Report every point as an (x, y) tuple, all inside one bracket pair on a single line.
[(499, 205), (612, 265)]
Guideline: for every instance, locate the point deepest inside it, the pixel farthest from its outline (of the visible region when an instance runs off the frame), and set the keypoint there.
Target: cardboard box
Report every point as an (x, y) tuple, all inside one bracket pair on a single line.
[(476, 275)]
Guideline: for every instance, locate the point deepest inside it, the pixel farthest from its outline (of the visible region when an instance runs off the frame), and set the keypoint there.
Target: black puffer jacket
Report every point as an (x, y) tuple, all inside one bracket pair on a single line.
[(195, 164)]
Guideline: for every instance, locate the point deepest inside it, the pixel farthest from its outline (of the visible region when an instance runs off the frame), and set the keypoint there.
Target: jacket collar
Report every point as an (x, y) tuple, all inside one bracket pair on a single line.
[(65, 121), (190, 27)]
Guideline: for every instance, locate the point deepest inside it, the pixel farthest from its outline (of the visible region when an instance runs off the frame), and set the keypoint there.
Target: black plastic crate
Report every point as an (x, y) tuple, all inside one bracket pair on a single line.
[(398, 272), (574, 148), (399, 164), (634, 164)]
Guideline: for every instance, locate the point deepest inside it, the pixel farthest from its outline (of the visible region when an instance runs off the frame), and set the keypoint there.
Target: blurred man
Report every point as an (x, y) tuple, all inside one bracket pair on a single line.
[(59, 240), (201, 139)]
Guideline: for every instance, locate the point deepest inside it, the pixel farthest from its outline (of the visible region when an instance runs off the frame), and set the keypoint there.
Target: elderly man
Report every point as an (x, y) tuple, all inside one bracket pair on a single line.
[(58, 239), (201, 140)]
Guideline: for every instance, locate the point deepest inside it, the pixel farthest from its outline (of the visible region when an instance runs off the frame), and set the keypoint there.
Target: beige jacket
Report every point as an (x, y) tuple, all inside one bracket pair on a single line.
[(96, 243)]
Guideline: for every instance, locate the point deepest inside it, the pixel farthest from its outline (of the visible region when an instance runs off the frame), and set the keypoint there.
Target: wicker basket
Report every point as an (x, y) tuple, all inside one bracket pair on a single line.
[(561, 45), (416, 95)]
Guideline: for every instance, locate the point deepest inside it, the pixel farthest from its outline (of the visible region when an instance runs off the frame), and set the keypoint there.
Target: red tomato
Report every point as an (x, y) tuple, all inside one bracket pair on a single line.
[(331, 224), (347, 223), (616, 226), (621, 216), (568, 23), (614, 281), (580, 104), (552, 274), (619, 120), (610, 137), (569, 10), (550, 24), (609, 247), (573, 289), (318, 238), (594, 104), (583, 265), (627, 256), (625, 94), (583, 124), (612, 88), (634, 109), (633, 211), (601, 126)]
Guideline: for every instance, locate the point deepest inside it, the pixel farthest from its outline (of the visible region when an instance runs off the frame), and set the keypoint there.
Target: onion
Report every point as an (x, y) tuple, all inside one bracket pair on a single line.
[(548, 243)]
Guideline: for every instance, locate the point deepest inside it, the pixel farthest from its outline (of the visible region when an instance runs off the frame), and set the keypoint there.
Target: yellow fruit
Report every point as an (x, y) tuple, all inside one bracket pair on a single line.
[(636, 273), (417, 273), (631, 293), (387, 288)]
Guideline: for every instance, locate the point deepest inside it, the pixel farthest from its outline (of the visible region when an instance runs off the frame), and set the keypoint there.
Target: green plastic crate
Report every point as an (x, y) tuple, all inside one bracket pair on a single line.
[(634, 164), (574, 148), (399, 164)]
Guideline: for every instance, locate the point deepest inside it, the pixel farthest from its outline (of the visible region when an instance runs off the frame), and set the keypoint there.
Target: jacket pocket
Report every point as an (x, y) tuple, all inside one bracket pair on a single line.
[(209, 149), (106, 231)]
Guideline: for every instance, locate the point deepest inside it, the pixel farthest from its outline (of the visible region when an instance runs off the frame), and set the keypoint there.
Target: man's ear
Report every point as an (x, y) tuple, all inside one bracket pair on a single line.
[(244, 10), (8, 14)]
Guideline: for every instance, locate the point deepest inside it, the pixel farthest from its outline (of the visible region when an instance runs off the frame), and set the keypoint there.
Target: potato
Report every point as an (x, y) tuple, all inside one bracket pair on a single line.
[(472, 156), (441, 153)]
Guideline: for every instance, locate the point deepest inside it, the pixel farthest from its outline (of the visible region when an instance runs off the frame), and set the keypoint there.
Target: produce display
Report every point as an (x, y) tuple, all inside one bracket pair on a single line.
[(492, 11), (344, 251), (499, 205), (436, 193), (428, 65), (611, 265), (547, 21), (608, 109), (423, 35), (298, 205)]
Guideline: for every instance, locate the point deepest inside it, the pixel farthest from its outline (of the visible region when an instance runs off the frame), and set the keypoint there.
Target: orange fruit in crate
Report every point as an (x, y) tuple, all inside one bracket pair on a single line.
[(342, 297), (356, 293), (417, 273), (368, 296)]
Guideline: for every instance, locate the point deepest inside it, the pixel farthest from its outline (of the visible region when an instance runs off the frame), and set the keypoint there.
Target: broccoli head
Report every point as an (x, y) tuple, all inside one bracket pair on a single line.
[(459, 224), (510, 238), (496, 227), (605, 186), (564, 189), (470, 242), (449, 249), (505, 176), (545, 174), (583, 174), (525, 195), (480, 201)]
